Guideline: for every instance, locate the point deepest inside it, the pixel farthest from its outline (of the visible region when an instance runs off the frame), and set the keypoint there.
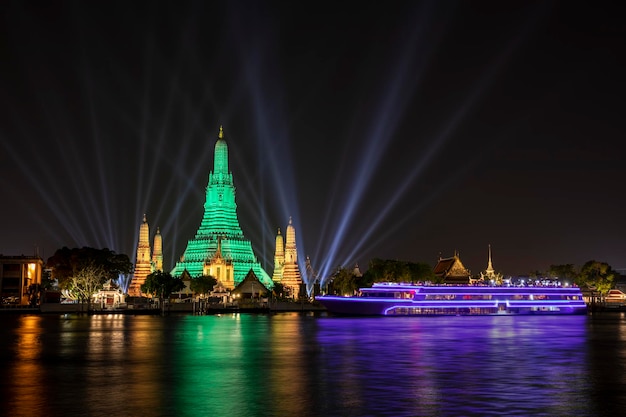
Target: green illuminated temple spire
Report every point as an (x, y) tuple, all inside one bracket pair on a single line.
[(219, 229)]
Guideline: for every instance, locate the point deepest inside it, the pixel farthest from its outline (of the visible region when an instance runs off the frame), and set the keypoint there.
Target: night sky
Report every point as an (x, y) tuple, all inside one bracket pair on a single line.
[(395, 130)]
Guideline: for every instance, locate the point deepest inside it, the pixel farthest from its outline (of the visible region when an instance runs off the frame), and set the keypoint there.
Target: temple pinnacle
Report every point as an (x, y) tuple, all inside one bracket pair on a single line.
[(221, 134)]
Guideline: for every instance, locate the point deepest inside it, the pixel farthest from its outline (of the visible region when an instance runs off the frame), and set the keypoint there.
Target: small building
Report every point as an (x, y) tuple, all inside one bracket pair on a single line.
[(185, 293), (615, 298), (110, 296), (250, 287), (220, 293), (452, 271), (17, 274)]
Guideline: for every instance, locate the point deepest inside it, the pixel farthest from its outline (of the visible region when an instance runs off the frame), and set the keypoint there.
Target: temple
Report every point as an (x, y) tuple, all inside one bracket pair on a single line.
[(219, 231), (145, 264), (286, 270), (452, 271)]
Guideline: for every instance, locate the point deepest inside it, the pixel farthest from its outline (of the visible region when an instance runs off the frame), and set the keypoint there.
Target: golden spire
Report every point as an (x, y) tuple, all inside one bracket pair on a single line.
[(489, 264), (221, 134)]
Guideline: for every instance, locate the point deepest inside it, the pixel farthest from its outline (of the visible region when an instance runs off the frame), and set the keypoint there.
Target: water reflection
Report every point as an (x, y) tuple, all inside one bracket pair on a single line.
[(458, 365), (25, 371), (292, 364)]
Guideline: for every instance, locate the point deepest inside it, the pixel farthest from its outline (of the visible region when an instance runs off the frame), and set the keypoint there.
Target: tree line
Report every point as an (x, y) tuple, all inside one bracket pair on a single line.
[(344, 281), (593, 275)]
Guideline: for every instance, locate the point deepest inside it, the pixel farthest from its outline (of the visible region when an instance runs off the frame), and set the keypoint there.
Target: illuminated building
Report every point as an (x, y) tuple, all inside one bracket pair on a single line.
[(110, 296), (220, 227), (286, 270), (17, 273), (145, 264), (249, 287), (452, 270)]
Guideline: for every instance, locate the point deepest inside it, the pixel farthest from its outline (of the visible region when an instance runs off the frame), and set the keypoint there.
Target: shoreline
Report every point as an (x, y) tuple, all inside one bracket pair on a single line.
[(173, 308)]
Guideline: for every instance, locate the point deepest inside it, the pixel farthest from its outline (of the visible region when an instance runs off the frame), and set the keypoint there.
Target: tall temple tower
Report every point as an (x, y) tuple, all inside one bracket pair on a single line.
[(157, 252), (489, 270), (289, 273), (220, 224), (279, 258), (490, 274), (143, 266)]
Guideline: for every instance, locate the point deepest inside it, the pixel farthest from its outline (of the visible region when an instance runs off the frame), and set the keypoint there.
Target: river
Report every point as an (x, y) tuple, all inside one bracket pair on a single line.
[(295, 364)]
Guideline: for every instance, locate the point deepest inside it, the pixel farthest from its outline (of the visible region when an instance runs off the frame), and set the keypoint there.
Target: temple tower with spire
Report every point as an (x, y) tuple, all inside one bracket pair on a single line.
[(143, 266), (279, 258), (289, 274), (157, 252), (220, 227), (489, 270), (490, 274)]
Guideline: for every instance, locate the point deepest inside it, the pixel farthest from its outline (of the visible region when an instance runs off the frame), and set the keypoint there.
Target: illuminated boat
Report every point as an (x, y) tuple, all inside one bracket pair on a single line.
[(385, 299)]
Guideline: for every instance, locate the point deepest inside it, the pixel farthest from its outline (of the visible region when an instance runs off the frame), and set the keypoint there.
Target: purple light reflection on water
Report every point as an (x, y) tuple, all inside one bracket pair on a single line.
[(458, 365), (292, 364)]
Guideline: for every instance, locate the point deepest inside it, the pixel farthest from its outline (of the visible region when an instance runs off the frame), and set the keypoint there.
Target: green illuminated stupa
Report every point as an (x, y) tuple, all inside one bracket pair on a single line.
[(220, 227)]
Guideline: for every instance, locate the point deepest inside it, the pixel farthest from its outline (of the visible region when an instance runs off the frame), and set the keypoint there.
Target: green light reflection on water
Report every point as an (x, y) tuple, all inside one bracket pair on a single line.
[(227, 365)]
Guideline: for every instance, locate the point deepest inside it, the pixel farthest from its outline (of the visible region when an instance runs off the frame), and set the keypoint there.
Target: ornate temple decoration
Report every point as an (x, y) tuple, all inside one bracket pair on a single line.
[(490, 275), (220, 268)]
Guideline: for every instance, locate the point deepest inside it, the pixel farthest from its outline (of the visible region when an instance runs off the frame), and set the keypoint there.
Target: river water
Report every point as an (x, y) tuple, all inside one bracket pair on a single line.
[(292, 364)]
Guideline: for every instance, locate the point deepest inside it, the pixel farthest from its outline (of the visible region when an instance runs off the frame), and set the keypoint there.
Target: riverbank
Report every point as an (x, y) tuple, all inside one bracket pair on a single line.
[(172, 308)]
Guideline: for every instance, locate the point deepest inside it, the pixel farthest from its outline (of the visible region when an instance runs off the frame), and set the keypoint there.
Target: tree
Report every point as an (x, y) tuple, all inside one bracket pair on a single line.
[(86, 282), (387, 270), (67, 263), (420, 271), (203, 284), (344, 282), (162, 284), (598, 275), (563, 272), (278, 290)]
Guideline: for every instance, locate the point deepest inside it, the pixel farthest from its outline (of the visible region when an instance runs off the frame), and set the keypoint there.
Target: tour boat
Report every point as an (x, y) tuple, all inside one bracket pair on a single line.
[(389, 299)]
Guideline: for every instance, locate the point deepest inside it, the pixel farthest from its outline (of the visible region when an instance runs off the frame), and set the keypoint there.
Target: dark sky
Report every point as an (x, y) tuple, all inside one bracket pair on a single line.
[(396, 130)]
